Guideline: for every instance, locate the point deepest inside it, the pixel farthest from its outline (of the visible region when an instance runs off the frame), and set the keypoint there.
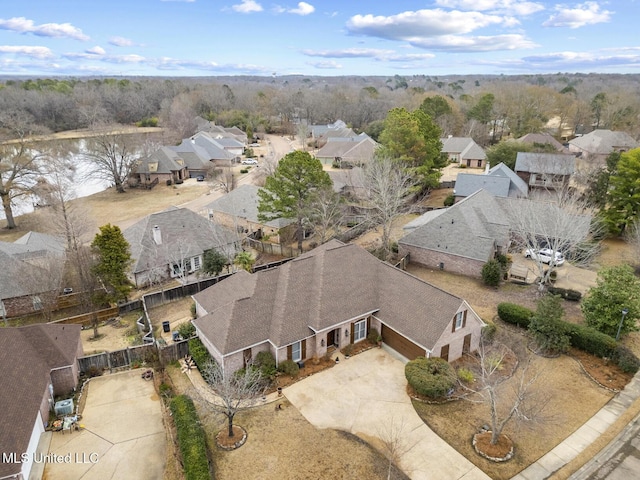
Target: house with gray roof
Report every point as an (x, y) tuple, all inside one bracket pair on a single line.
[(215, 150), (347, 151), (500, 181), (37, 363), (542, 139), (461, 238), (161, 166), (545, 170), (465, 151), (31, 274), (594, 147), (171, 244), (195, 157), (326, 299), (238, 211)]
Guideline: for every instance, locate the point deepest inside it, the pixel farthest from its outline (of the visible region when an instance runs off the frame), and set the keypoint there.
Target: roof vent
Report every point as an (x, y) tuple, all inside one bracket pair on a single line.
[(157, 235)]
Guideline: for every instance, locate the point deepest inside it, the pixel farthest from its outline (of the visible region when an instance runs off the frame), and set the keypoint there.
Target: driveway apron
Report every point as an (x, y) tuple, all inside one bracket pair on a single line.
[(366, 395)]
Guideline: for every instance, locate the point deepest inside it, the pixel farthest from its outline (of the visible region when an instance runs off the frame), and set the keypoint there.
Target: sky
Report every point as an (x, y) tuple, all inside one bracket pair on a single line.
[(320, 37)]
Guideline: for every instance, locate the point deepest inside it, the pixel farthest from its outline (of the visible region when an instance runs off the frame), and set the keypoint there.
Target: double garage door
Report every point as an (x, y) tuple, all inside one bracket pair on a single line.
[(401, 344)]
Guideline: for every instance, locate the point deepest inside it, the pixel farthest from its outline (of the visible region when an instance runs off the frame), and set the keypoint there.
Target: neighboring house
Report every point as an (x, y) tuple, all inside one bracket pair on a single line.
[(542, 140), (593, 148), (545, 170), (30, 273), (500, 181), (347, 151), (461, 238), (326, 299), (171, 244), (238, 210), (215, 150), (195, 158), (203, 125), (318, 131), (164, 165), (465, 151), (230, 144), (37, 362), (348, 182)]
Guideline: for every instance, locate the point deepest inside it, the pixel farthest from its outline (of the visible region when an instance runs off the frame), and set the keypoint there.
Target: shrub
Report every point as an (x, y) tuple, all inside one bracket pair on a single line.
[(191, 438), (491, 273), (165, 391), (626, 359), (567, 294), (244, 170), (186, 330), (374, 336), (192, 309), (94, 371), (266, 362), (516, 314), (547, 326), (432, 377), (466, 375), (504, 261), (289, 367), (199, 353), (590, 340), (449, 200), (489, 331)]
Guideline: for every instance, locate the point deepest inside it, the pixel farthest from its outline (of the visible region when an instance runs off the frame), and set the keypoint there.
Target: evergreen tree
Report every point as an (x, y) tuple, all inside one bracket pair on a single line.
[(114, 258)]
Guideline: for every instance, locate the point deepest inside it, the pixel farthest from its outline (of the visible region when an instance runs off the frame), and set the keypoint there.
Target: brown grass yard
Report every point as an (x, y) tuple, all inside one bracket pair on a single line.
[(282, 444)]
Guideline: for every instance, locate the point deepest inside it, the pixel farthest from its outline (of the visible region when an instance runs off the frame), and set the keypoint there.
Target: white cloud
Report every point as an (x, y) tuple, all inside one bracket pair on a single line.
[(121, 42), (514, 7), (330, 65), (587, 13), (421, 23), (96, 51), (348, 53), (247, 6), (457, 43), (303, 8), (27, 51), (56, 30)]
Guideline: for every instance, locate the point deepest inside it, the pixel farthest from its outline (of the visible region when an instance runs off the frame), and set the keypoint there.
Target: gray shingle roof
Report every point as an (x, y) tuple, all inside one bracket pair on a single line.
[(243, 203), (183, 232), (603, 142), (465, 146), (27, 355), (470, 228), (168, 161), (467, 183), (322, 288), (353, 149), (550, 163), (195, 157), (215, 151), (542, 139)]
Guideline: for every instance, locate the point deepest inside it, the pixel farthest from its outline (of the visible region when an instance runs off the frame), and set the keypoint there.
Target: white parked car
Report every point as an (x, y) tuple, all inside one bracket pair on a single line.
[(545, 255), (249, 161)]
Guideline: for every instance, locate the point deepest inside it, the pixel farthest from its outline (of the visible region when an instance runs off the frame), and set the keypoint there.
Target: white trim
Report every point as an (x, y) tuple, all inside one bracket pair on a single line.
[(340, 324)]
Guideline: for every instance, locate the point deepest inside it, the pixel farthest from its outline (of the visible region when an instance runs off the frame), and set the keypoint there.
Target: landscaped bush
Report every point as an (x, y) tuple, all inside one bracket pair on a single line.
[(266, 362), (489, 331), (199, 353), (491, 273), (432, 377), (566, 293), (191, 439), (466, 375), (516, 314), (449, 200), (590, 340), (289, 367), (626, 359), (373, 336), (186, 330), (192, 308)]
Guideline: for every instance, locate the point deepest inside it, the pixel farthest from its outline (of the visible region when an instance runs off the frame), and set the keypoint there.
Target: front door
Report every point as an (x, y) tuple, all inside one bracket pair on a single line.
[(333, 337)]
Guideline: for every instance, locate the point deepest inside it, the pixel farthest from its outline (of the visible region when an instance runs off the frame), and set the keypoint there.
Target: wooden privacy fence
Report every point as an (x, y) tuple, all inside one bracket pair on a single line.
[(117, 359), (173, 352), (272, 248), (85, 318)]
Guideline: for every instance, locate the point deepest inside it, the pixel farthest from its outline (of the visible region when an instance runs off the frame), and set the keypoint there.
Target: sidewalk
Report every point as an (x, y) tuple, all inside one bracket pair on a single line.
[(573, 445)]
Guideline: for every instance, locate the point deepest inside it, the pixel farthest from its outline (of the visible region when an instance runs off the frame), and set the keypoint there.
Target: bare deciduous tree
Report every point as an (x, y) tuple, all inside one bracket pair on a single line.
[(393, 435), (386, 185), (114, 155), (326, 213), (561, 221), (222, 177), (236, 391)]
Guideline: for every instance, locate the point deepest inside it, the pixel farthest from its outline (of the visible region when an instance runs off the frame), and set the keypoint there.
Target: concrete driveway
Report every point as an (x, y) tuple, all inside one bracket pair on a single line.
[(123, 436), (366, 395)]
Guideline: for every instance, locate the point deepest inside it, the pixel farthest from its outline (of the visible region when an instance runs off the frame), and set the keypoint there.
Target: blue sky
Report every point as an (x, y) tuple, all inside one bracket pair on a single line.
[(328, 37)]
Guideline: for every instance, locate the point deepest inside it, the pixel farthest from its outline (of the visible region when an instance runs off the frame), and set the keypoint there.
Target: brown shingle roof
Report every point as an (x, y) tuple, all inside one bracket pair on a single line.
[(27, 355), (318, 290)]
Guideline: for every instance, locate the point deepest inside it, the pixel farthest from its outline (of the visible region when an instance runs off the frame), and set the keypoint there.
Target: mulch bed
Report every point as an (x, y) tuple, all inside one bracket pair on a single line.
[(602, 371), (500, 452), (226, 442)]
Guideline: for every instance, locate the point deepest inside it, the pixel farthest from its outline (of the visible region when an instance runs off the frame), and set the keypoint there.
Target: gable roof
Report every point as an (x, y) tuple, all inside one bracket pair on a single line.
[(316, 291), (542, 139), (468, 183), (34, 244), (163, 160), (355, 149), (603, 142), (27, 355), (320, 130), (465, 146), (471, 228), (517, 186), (183, 233), (550, 163), (194, 156), (215, 151), (243, 202), (18, 277)]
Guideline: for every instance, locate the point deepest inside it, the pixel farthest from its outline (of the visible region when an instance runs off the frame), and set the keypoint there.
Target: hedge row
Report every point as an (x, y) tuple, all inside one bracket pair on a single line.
[(433, 377), (582, 337), (191, 439), (566, 293), (199, 353)]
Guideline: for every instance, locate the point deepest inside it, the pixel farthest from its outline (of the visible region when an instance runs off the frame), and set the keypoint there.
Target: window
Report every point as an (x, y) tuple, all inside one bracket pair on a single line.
[(479, 163), (37, 303), (460, 320), (360, 330), (3, 312), (296, 352), (176, 270), (195, 263)]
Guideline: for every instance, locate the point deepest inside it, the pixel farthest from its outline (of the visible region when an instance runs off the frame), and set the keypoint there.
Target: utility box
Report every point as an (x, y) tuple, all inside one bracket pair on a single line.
[(63, 407)]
